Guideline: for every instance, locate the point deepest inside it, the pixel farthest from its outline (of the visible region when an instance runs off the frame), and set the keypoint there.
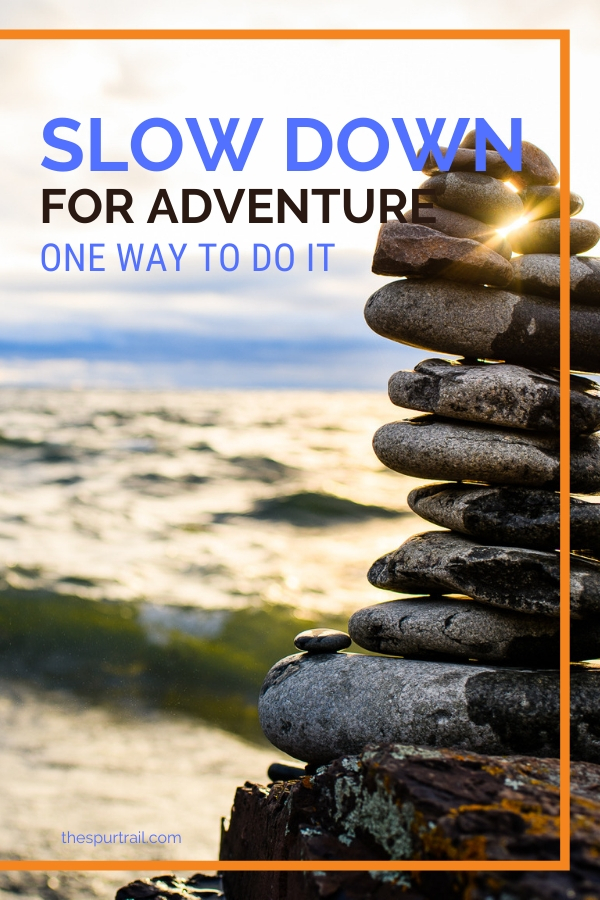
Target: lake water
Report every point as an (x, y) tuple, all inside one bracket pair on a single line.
[(212, 525), (147, 495)]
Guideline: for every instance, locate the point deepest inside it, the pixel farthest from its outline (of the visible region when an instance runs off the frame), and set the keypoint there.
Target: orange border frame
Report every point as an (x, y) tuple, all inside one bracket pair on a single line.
[(563, 36)]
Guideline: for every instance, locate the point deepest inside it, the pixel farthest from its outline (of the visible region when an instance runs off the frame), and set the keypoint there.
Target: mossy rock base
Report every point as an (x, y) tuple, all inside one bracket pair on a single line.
[(397, 802)]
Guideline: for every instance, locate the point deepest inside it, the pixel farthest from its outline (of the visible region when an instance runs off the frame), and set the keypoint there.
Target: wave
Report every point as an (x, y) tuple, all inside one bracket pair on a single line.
[(206, 663), (315, 509), (261, 468)]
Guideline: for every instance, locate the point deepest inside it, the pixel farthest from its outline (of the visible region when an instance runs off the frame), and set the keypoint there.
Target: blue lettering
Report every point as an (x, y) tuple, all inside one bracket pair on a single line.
[(293, 163), (382, 150), (430, 143), (52, 140), (224, 139), (484, 133), (96, 163), (236, 257), (95, 256), (156, 259), (45, 249), (264, 247), (130, 255), (177, 255), (278, 257), (139, 155), (69, 252)]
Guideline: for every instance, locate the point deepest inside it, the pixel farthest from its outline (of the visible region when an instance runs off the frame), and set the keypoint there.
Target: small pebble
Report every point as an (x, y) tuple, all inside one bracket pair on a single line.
[(282, 772), (322, 640)]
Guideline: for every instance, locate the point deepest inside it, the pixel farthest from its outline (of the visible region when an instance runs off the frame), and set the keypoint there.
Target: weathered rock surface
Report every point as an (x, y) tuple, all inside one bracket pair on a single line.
[(499, 394), (461, 226), (404, 249), (482, 322), (477, 195), (460, 629), (543, 236), (514, 516), (464, 161), (469, 141), (318, 707), (322, 640), (454, 629), (171, 887), (515, 578), (435, 448), (536, 167), (543, 202), (399, 802), (539, 273)]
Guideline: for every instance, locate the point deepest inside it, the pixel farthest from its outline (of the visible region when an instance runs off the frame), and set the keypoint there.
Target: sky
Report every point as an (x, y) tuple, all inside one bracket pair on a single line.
[(271, 328)]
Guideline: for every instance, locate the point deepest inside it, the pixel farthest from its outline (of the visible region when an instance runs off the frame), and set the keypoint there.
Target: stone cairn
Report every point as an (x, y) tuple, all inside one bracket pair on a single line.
[(472, 658)]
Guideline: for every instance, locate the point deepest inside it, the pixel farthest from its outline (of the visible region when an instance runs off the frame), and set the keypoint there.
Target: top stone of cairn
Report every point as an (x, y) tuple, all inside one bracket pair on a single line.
[(536, 166)]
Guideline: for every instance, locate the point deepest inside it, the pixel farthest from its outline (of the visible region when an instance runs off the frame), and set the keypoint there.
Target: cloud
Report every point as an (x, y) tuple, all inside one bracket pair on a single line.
[(125, 82)]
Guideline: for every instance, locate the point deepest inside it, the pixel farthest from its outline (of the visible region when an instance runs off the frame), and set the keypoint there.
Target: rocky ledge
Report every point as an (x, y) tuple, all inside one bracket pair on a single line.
[(401, 802)]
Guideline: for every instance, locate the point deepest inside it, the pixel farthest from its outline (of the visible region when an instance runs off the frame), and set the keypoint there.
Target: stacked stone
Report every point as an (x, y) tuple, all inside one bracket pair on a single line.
[(479, 637)]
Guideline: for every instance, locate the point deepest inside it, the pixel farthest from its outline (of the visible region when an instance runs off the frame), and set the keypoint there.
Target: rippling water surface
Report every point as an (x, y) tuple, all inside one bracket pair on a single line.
[(211, 500), (158, 552)]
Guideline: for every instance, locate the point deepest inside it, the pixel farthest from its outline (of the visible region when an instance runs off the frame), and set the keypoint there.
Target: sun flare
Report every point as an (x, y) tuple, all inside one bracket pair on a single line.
[(523, 220)]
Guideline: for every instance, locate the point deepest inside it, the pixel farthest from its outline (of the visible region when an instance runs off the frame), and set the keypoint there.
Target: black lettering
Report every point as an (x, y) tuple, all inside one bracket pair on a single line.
[(185, 205), (47, 206), (229, 214), (370, 206), (325, 193), (253, 193), (162, 197), (84, 192), (396, 208), (283, 200), (112, 207), (417, 206)]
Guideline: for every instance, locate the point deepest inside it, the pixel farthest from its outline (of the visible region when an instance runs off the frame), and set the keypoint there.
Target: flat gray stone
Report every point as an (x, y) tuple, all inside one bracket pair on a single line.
[(435, 448), (543, 202), (460, 629), (515, 516), (322, 640), (495, 393), (464, 161), (512, 578), (317, 707), (482, 322), (539, 273), (477, 195), (543, 236), (405, 249), (461, 226)]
